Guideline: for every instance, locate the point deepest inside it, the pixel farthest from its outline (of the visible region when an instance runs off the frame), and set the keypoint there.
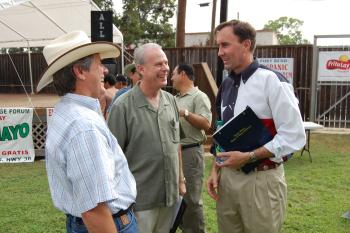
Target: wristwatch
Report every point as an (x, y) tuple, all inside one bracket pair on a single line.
[(186, 114), (252, 157)]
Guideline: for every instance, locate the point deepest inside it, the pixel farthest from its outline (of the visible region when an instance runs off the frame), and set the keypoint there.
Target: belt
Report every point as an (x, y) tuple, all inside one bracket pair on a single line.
[(120, 213), (123, 212), (265, 165), (190, 145)]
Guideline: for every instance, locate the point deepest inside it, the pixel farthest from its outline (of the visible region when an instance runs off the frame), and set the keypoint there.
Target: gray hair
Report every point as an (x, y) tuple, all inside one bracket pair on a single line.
[(139, 53), (64, 80)]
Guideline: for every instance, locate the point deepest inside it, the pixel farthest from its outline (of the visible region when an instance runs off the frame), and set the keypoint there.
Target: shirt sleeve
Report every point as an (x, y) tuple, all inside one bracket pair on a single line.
[(117, 124), (89, 170), (286, 115), (202, 106)]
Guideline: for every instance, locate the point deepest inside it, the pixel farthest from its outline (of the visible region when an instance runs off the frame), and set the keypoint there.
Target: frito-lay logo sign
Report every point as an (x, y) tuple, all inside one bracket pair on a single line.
[(342, 63)]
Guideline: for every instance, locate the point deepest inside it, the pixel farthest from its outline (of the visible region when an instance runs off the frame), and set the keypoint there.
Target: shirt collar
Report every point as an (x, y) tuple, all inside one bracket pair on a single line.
[(247, 73), (86, 101), (192, 91), (141, 100)]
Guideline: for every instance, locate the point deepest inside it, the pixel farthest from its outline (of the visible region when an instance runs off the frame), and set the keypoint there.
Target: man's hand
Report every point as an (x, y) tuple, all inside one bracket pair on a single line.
[(182, 188), (233, 159), (99, 219), (213, 182), (181, 112)]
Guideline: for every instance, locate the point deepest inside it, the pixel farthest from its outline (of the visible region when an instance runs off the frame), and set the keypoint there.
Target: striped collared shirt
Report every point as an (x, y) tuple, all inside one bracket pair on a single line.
[(84, 163)]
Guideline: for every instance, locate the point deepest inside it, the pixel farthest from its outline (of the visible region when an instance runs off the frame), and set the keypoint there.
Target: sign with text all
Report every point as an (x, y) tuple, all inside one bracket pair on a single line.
[(101, 26), (283, 65), (16, 141)]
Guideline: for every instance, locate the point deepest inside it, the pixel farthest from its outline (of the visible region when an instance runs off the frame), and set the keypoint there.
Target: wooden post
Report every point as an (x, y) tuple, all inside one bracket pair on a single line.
[(181, 19)]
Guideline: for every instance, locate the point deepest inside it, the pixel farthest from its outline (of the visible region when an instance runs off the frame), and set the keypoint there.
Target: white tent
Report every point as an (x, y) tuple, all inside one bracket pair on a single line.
[(33, 23)]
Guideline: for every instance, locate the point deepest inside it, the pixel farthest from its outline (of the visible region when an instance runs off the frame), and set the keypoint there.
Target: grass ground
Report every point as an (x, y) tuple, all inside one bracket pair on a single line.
[(318, 193)]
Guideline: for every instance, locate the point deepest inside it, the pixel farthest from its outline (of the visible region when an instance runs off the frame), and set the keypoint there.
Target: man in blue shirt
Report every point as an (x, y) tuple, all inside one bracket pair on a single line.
[(88, 174)]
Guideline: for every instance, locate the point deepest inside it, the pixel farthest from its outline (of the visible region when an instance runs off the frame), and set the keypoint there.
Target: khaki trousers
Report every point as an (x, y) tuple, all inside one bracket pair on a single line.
[(253, 203), (157, 220), (193, 167)]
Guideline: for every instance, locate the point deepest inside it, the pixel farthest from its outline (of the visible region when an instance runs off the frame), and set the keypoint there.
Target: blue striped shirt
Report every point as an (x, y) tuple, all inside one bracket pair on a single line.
[(85, 165)]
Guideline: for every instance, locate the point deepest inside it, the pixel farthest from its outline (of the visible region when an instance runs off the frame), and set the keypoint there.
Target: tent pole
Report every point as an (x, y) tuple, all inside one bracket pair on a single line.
[(122, 57), (30, 70)]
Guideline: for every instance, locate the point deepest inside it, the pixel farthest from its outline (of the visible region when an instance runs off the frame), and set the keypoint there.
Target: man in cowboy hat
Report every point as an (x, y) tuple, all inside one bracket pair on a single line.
[(88, 174)]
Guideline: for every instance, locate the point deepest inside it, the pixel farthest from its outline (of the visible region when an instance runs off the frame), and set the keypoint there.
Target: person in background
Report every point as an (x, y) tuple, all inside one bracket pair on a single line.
[(121, 84), (195, 118), (103, 99), (253, 202), (107, 92), (109, 84), (88, 175), (145, 120), (131, 72)]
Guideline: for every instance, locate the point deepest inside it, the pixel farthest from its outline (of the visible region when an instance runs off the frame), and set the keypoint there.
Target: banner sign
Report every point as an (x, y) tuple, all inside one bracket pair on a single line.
[(16, 141), (283, 65), (334, 66)]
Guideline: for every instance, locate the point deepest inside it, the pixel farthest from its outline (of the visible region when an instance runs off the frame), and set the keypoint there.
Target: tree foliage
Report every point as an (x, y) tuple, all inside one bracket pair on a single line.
[(104, 4), (147, 21), (287, 30)]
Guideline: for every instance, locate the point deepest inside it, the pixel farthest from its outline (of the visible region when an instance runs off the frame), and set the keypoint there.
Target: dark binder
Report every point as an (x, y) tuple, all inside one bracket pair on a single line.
[(179, 215), (244, 133)]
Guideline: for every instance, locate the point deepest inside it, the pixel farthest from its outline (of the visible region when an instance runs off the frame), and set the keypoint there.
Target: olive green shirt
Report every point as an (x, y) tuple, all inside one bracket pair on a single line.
[(150, 139), (196, 102)]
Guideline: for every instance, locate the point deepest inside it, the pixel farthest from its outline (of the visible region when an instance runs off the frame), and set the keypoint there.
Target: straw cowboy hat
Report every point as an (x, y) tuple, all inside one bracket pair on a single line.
[(71, 47)]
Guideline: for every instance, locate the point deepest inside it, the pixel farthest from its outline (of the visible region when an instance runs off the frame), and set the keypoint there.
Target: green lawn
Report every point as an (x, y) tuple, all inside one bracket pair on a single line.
[(318, 193)]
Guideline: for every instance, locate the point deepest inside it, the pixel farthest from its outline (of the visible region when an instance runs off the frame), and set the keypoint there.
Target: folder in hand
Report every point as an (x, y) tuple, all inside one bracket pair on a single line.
[(180, 210), (244, 133)]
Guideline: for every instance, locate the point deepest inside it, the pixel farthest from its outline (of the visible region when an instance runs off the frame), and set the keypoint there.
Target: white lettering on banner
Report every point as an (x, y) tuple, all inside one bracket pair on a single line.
[(16, 141), (334, 64), (101, 26)]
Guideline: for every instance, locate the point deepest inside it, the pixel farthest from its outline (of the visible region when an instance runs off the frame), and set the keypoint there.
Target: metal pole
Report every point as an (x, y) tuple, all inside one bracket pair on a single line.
[(313, 103), (122, 61), (220, 64), (30, 70)]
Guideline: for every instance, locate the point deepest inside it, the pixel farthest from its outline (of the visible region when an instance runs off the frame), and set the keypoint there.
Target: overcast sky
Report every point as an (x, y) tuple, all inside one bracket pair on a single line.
[(321, 17)]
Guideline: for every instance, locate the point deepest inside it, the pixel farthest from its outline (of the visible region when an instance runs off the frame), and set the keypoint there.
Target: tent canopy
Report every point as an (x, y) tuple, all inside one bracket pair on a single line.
[(35, 23)]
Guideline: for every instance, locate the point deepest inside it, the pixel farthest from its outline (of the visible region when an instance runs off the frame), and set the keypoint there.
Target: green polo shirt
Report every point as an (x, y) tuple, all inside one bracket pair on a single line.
[(150, 139), (196, 102)]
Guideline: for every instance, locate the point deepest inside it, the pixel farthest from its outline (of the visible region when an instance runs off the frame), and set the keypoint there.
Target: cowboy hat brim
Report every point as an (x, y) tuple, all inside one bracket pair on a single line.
[(104, 49)]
